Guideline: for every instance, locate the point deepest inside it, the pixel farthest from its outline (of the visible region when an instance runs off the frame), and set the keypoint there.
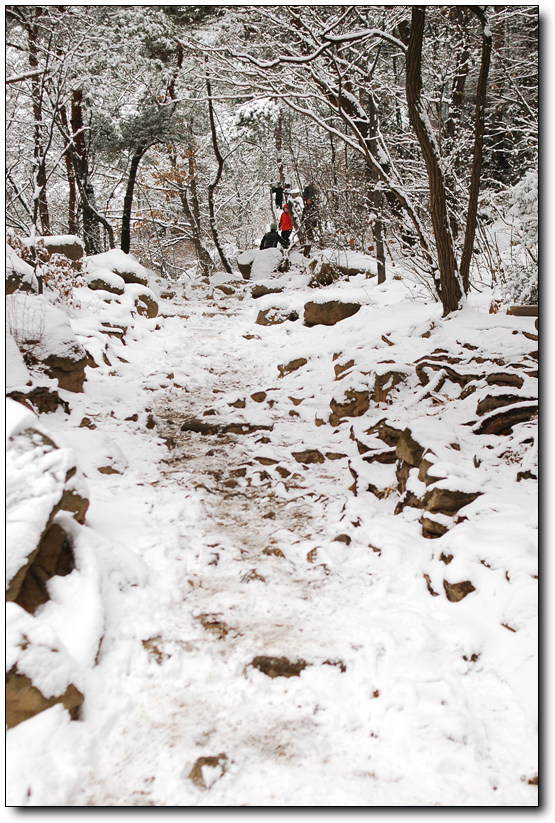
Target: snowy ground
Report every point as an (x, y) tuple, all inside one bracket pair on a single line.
[(216, 547)]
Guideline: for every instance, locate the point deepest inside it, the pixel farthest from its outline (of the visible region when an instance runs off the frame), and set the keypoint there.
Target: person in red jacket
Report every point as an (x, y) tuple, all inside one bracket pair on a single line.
[(285, 225)]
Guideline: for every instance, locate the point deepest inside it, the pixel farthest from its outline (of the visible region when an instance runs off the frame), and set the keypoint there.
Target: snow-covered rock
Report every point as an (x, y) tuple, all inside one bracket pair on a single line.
[(19, 274), (39, 392), (69, 245), (125, 265), (44, 333), (44, 480), (105, 280), (39, 671)]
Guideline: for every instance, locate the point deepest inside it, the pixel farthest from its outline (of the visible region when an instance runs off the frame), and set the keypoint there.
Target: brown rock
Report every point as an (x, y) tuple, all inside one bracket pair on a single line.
[(282, 471), (389, 434), (410, 499), (408, 449), (323, 276), (113, 330), (429, 586), (492, 402), (385, 383), (152, 648), (53, 553), (402, 471), (39, 398), (214, 762), (132, 276), (431, 529), (75, 504), (356, 403), (214, 624), (100, 284), (70, 373), (457, 591), (260, 290), (72, 249), (17, 281), (146, 305), (501, 423), (278, 666), (86, 423), (273, 552), (193, 424), (54, 557), (447, 501), (341, 369), (309, 456), (523, 311), (385, 456), (505, 379), (24, 700), (273, 317), (244, 263), (425, 475), (259, 396), (328, 314), (292, 366)]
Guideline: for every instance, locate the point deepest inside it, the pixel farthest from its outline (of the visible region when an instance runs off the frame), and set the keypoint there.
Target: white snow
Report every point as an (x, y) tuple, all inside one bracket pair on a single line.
[(17, 373), (35, 323), (201, 553)]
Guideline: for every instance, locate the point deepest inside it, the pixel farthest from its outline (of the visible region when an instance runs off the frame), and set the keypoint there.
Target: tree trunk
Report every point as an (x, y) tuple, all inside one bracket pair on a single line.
[(136, 158), (72, 220), (39, 171), (376, 196), (193, 213), (449, 288), (80, 157), (212, 186), (479, 122)]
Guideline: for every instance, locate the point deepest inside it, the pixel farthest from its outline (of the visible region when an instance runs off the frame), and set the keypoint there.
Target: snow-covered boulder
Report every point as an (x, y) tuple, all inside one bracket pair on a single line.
[(334, 262), (125, 265), (39, 671), (19, 274), (69, 245), (144, 299), (328, 313), (116, 273), (266, 263), (42, 480), (44, 333), (257, 264), (105, 280), (244, 262), (39, 393)]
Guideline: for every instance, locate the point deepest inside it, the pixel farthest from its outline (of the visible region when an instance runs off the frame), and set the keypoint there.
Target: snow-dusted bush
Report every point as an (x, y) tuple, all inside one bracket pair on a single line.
[(511, 241), (52, 259)]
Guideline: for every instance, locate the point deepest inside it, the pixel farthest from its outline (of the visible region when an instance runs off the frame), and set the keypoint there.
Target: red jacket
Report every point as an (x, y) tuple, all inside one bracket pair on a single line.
[(285, 223)]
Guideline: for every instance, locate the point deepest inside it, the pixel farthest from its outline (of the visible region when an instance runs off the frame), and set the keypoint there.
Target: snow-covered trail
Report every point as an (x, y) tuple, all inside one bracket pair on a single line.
[(254, 564)]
